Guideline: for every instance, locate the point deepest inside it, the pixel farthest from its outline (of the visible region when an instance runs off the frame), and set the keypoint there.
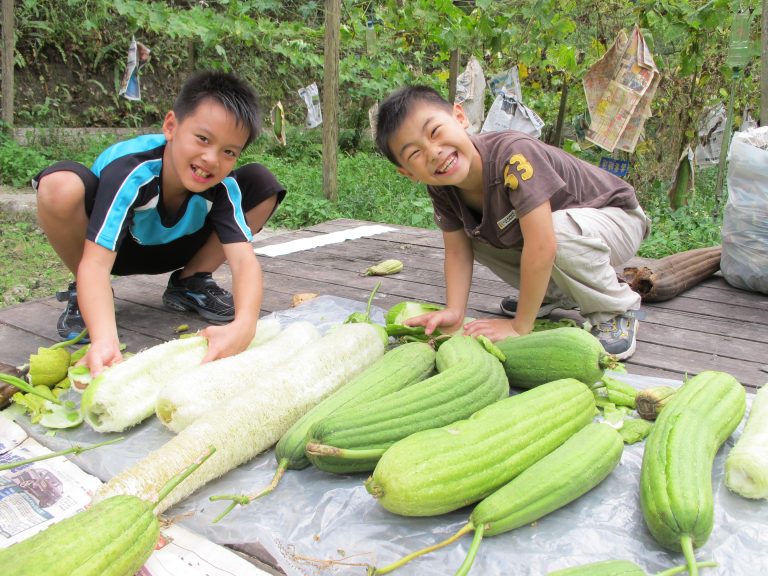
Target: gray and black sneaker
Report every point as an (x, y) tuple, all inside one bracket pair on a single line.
[(201, 294), (619, 334), (71, 322), (509, 307)]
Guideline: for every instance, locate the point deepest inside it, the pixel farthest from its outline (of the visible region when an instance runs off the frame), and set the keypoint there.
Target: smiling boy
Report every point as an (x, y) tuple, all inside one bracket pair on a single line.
[(166, 202), (550, 224)]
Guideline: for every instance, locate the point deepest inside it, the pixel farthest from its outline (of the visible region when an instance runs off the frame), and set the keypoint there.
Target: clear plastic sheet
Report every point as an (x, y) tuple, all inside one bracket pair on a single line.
[(320, 524)]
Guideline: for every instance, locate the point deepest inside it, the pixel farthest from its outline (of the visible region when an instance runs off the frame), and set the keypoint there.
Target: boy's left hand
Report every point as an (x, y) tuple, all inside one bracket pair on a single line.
[(226, 340), (494, 329)]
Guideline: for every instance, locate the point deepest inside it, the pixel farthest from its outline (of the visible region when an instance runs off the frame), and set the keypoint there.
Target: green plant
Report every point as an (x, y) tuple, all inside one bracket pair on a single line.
[(30, 267)]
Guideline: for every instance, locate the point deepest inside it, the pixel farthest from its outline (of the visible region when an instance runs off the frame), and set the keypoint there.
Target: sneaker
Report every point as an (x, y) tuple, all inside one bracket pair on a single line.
[(71, 322), (618, 335), (201, 294), (509, 307)]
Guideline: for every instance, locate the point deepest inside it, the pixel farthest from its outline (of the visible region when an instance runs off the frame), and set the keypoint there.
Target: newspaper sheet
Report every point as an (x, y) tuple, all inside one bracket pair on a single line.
[(619, 89), (470, 93), (33, 496)]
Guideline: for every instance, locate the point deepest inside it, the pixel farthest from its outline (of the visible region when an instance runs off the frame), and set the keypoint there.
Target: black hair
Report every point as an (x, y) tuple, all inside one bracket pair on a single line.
[(394, 109), (235, 95)]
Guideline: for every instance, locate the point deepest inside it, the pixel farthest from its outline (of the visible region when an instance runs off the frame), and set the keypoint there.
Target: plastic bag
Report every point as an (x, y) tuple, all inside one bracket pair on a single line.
[(508, 113), (744, 262), (311, 98)]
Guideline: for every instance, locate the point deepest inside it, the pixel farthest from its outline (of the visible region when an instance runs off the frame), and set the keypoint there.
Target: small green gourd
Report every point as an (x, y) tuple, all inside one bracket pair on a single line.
[(541, 357)]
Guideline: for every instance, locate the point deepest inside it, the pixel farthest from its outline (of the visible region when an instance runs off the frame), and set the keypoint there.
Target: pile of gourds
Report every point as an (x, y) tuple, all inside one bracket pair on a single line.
[(439, 431)]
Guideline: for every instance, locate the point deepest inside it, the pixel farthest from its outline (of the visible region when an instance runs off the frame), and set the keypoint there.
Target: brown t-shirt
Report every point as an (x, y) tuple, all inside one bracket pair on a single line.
[(519, 174)]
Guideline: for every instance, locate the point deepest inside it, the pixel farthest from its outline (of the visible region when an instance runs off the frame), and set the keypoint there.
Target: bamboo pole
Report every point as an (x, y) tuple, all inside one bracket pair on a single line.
[(330, 99)]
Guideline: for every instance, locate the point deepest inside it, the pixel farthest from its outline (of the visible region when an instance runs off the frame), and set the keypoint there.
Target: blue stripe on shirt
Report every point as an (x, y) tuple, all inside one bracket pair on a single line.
[(140, 144), (123, 200), (235, 196)]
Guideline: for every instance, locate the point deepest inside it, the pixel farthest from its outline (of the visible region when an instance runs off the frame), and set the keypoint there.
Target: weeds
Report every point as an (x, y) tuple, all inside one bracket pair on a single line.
[(30, 267)]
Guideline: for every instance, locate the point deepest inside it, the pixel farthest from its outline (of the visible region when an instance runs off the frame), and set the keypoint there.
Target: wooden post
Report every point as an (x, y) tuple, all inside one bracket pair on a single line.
[(330, 99), (9, 48), (453, 73), (764, 66), (557, 138)]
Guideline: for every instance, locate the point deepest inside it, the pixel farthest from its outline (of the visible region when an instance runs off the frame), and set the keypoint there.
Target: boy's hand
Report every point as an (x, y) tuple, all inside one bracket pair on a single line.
[(494, 329), (226, 340), (101, 354), (447, 320)]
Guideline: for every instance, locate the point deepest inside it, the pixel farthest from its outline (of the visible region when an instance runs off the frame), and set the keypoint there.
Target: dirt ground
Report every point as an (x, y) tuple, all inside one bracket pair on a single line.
[(17, 198)]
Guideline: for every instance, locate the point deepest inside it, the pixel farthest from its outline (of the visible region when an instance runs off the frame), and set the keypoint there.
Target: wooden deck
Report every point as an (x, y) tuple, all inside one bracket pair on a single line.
[(713, 326)]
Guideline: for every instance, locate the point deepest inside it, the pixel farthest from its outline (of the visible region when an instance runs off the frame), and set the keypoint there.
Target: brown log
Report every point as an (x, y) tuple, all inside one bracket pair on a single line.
[(6, 392), (665, 278)]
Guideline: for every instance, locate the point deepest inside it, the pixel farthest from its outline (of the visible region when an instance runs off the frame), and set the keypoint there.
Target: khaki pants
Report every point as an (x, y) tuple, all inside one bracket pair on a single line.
[(590, 242)]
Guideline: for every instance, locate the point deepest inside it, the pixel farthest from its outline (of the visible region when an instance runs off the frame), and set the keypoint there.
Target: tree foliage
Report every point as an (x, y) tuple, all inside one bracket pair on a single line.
[(71, 54)]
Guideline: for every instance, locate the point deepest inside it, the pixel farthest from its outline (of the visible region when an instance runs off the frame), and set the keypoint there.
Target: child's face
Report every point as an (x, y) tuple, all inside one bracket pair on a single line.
[(202, 149), (433, 147)]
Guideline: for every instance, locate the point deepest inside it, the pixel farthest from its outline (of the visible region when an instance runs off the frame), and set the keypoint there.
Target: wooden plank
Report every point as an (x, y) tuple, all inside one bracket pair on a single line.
[(329, 281), (681, 339), (711, 326), (711, 292), (713, 309), (714, 325), (18, 344), (653, 355), (37, 316)]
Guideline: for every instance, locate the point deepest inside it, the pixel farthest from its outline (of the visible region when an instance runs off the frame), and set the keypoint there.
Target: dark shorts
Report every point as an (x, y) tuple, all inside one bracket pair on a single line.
[(134, 258)]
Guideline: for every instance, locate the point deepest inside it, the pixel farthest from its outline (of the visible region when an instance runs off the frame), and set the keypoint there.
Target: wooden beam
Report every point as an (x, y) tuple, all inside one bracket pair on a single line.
[(330, 99), (9, 48)]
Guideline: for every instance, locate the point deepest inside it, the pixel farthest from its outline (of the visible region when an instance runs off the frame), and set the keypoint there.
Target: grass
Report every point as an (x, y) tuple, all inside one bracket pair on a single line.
[(369, 189), (30, 267)]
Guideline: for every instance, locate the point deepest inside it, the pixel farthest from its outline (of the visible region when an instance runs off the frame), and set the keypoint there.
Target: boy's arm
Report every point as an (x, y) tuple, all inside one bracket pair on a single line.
[(536, 262), (538, 256), (94, 298), (247, 290), (458, 266)]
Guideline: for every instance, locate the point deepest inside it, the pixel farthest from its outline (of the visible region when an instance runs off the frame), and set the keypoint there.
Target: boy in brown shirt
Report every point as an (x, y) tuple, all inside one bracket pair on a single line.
[(544, 221)]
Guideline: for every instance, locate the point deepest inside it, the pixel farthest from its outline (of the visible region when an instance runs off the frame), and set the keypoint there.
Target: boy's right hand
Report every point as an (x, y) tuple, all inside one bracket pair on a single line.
[(447, 320), (101, 354)]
